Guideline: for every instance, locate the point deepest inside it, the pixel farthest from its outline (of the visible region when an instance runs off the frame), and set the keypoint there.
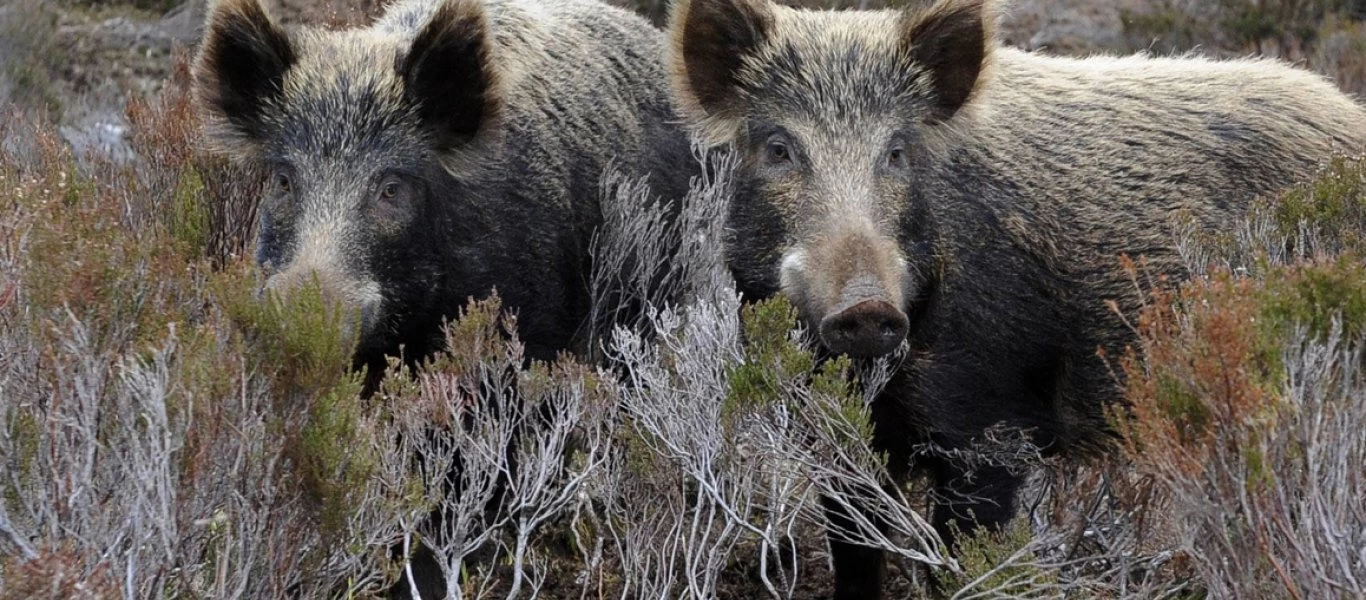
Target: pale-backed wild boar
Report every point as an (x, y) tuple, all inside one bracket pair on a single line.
[(450, 148), (905, 180)]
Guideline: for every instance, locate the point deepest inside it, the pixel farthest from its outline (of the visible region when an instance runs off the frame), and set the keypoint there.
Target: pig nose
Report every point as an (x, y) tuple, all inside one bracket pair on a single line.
[(865, 330)]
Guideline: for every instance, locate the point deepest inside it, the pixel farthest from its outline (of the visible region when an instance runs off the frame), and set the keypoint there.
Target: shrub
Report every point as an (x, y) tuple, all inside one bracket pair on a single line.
[(1246, 406)]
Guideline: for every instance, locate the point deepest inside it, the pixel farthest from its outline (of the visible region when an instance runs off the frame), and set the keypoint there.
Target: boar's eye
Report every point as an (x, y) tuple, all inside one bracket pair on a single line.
[(777, 153), (281, 184), (896, 157), (394, 190)]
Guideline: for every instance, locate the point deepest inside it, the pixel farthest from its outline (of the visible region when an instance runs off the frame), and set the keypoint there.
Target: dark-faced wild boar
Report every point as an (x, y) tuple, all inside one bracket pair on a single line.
[(904, 179), (452, 147)]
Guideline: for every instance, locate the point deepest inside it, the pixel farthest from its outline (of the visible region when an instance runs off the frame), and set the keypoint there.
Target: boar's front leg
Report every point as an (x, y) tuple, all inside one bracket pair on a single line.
[(965, 500), (858, 568)]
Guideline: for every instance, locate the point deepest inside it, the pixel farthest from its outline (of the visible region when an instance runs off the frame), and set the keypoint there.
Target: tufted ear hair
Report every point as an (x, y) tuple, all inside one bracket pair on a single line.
[(709, 42), (239, 73), (449, 76), (952, 41)]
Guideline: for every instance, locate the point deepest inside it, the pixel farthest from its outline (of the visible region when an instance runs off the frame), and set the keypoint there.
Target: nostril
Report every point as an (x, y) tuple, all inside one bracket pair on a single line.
[(869, 328)]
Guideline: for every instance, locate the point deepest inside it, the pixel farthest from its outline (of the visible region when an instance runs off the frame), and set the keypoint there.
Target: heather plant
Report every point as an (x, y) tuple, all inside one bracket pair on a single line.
[(1245, 391), (729, 441), (1246, 412), (203, 199)]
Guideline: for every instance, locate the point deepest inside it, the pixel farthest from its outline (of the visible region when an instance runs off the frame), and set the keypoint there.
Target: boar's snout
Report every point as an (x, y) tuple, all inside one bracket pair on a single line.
[(850, 284), (867, 329)]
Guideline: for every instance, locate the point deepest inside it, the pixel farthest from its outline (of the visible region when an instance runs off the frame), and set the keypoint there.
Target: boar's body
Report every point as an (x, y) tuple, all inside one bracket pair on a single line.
[(451, 148), (906, 181), (1064, 166), (1079, 163)]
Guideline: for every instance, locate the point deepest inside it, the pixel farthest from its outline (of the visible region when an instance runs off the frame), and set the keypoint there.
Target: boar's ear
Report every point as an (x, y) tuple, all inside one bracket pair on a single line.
[(240, 72), (709, 41), (449, 76), (952, 41)]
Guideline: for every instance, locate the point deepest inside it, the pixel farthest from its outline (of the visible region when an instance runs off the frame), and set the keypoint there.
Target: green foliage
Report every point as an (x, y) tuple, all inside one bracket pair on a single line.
[(480, 333), (306, 341), (1313, 296), (335, 460), (844, 403), (24, 429), (81, 260), (1252, 24), (1332, 206), (1164, 21), (1259, 473), (189, 218), (772, 361), (775, 365), (305, 344), (1002, 561), (1182, 405)]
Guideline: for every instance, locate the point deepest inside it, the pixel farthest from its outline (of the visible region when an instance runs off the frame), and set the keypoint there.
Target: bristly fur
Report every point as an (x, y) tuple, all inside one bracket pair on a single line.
[(521, 104), (241, 91), (467, 119), (991, 193)]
